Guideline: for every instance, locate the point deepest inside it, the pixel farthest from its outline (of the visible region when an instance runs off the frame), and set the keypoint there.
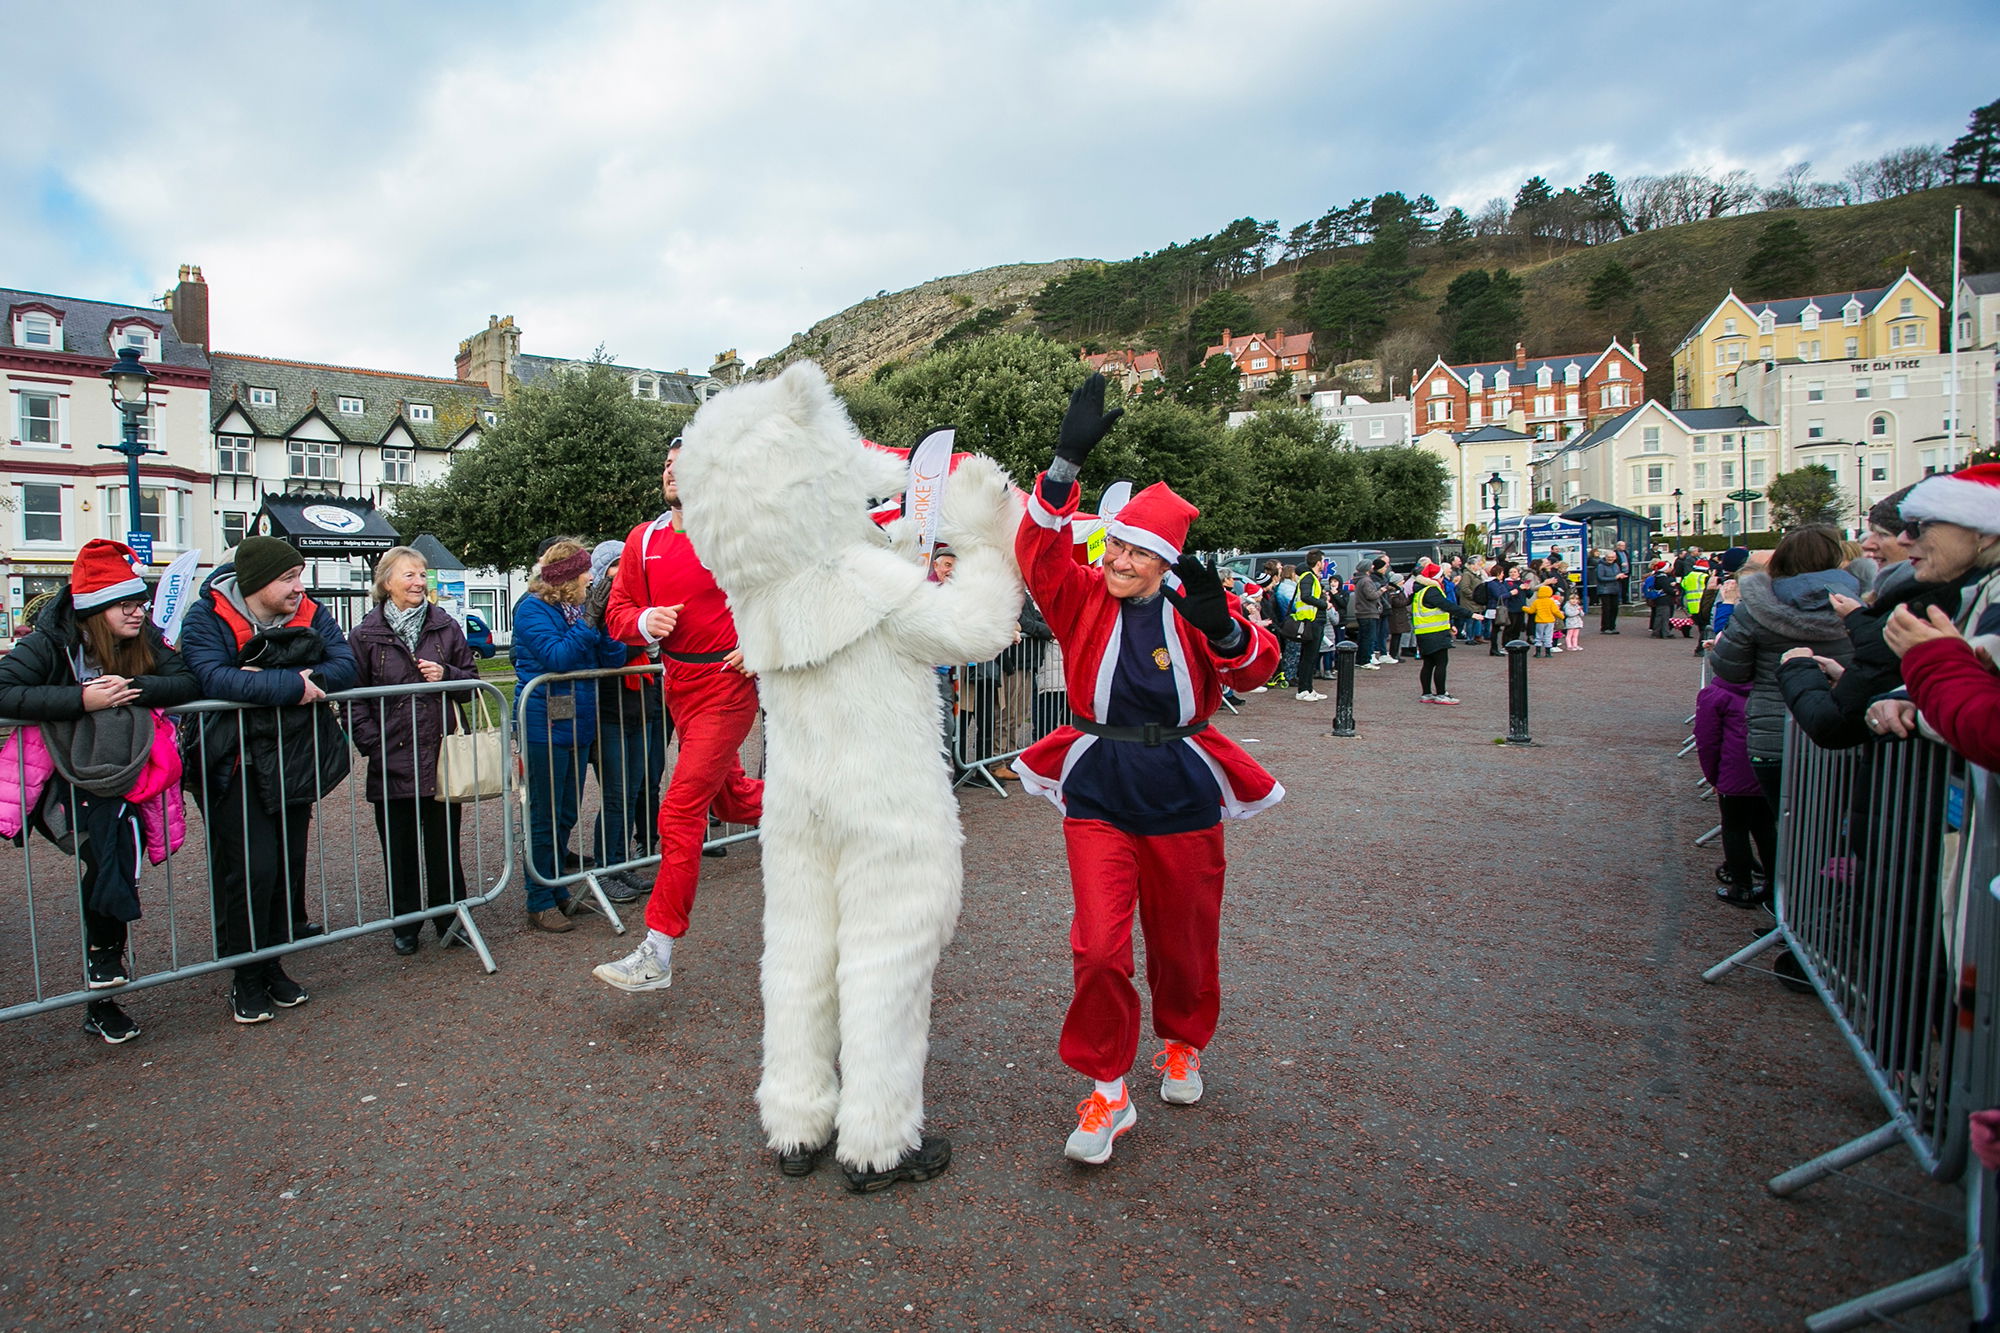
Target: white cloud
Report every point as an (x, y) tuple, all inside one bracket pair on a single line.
[(366, 182)]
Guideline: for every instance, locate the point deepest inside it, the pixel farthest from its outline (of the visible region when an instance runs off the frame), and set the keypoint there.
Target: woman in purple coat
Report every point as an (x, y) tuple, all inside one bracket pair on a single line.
[(1722, 741), (403, 641)]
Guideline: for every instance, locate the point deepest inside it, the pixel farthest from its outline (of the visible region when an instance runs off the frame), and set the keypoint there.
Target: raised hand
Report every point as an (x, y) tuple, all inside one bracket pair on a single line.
[(1200, 598), (1086, 422)]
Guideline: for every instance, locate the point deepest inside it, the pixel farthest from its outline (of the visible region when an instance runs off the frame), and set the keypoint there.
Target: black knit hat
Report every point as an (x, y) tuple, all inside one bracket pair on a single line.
[(263, 560)]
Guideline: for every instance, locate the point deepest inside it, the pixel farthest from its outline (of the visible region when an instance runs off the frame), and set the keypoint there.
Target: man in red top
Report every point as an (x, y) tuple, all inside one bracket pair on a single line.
[(663, 595)]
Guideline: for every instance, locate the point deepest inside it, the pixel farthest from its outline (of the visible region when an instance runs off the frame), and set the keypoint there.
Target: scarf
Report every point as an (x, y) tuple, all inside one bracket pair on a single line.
[(408, 624)]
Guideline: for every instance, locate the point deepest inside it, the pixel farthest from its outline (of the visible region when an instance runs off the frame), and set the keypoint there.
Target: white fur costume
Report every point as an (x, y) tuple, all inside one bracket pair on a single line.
[(860, 835)]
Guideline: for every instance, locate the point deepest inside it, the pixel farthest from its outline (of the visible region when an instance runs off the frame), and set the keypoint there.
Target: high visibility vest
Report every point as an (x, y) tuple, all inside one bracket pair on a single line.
[(1426, 618), (1309, 586), (1692, 584)]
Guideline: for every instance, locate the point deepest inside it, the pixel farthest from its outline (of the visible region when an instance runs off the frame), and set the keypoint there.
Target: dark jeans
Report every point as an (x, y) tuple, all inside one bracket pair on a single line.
[(1431, 669), (101, 930), (1516, 627), (1309, 633), (555, 785), (1770, 772), (1607, 601), (420, 841), (1662, 612), (259, 871), (1749, 836), (1370, 643), (630, 758)]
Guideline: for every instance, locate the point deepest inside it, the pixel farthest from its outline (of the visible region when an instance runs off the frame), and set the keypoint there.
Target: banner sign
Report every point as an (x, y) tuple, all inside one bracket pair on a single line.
[(175, 594), (930, 469)]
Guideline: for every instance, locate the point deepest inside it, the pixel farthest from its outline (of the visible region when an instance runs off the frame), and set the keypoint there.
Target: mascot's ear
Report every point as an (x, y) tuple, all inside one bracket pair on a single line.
[(807, 395)]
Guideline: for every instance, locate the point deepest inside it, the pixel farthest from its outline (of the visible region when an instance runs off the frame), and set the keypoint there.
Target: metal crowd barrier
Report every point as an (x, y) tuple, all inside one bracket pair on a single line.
[(179, 933), (1000, 707), (1884, 892), (621, 814)]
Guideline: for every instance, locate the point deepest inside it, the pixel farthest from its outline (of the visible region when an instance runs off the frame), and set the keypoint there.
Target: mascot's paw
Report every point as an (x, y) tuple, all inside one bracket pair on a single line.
[(981, 507)]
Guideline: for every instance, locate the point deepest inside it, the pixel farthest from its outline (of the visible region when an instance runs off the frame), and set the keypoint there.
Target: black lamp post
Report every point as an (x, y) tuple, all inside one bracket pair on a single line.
[(1860, 489), (1496, 486), (130, 382), (1677, 514)]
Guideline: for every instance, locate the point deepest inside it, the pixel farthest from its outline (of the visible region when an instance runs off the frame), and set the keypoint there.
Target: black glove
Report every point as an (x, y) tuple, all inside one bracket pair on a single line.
[(596, 602), (1201, 600), (1086, 422)]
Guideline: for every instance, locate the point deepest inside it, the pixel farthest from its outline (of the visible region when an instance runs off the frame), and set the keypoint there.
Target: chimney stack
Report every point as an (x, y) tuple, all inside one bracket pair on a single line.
[(189, 303), (1520, 357), (1635, 352)]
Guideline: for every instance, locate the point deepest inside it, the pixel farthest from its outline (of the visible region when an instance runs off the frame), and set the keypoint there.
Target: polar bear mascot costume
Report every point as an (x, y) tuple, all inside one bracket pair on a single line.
[(860, 835)]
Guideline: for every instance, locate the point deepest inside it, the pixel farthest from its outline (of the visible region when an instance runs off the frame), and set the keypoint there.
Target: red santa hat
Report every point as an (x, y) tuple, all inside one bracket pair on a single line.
[(1659, 565), (1429, 570), (1155, 520), (105, 572), (1969, 497)]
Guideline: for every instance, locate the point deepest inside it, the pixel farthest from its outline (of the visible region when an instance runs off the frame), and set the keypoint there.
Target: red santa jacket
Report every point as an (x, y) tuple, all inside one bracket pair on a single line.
[(1958, 696), (1084, 617)]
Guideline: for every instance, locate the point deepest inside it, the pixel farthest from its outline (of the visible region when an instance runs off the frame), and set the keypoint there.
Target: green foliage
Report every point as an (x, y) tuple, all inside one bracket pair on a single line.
[(1300, 486), (1782, 264), (1004, 393), (1211, 386), (1454, 233), (1612, 288), (1224, 310), (1804, 496), (1154, 288), (1347, 306), (978, 325), (1474, 538), (1546, 507), (578, 455), (1406, 492), (1482, 316), (1975, 155), (1161, 440)]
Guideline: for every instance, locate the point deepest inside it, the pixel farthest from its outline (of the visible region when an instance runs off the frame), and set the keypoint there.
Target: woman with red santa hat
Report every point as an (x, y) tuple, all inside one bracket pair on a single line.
[(1148, 642)]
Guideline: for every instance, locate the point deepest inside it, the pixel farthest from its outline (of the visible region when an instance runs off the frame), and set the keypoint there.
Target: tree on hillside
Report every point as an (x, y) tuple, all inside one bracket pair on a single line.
[(1782, 264), (1404, 353), (1804, 496), (1004, 393), (1613, 288), (1491, 219), (1531, 201), (1212, 386), (1975, 155), (1454, 232), (1482, 316), (1347, 306), (1681, 197), (1606, 208), (1795, 188), (1224, 310), (1903, 171), (1300, 485), (577, 455)]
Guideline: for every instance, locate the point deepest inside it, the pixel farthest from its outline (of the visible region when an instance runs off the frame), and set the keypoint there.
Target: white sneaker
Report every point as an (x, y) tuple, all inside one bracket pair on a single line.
[(1429, 697), (1260, 689), (1443, 699), (1180, 1073), (1554, 649), (1370, 666), (640, 970), (1098, 1126)]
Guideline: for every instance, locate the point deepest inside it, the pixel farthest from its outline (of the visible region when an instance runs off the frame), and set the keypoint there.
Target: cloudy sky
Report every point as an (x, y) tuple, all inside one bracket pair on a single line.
[(365, 182)]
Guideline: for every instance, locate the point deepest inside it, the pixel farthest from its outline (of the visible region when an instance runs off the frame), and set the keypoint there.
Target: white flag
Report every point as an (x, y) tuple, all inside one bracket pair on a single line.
[(930, 470), (175, 594)]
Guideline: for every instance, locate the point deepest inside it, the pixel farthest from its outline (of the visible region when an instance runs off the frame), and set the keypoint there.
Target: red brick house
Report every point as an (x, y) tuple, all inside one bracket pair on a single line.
[(1555, 396), (1129, 368), (1261, 358)]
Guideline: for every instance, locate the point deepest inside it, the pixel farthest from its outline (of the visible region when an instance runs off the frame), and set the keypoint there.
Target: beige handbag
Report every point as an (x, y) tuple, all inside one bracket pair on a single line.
[(471, 764)]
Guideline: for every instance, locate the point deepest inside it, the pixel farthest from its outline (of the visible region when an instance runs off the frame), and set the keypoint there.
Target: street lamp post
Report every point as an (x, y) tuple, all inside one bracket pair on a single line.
[(1860, 489), (130, 383), (1678, 535), (1496, 485)]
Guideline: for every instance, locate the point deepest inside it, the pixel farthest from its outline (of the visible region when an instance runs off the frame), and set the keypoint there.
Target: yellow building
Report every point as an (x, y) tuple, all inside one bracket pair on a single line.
[(1902, 319)]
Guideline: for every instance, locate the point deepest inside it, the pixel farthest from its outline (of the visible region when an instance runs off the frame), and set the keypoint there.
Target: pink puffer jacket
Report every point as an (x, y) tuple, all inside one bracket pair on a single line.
[(155, 794)]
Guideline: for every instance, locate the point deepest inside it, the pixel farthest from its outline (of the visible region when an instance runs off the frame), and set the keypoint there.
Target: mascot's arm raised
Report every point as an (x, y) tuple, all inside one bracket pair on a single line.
[(977, 613)]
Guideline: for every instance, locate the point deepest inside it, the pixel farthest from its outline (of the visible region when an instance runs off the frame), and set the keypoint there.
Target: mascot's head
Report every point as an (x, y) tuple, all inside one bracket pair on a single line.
[(774, 477)]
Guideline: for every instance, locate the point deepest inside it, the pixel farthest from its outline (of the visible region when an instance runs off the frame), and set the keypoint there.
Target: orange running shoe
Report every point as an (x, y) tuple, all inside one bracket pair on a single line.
[(1180, 1073), (1098, 1125)]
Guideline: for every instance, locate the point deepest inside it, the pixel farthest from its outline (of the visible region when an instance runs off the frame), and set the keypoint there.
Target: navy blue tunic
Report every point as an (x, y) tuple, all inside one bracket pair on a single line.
[(1143, 789)]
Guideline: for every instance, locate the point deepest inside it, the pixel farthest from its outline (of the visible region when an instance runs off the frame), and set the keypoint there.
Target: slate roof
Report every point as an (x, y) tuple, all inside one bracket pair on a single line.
[(1491, 435), (86, 328), (1697, 420), (1282, 344), (383, 394), (676, 386), (1982, 284), (1519, 375), (1832, 305)]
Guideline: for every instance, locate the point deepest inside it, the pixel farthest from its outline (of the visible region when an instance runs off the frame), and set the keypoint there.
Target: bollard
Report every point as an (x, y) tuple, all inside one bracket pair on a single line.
[(1343, 687), (1517, 693)]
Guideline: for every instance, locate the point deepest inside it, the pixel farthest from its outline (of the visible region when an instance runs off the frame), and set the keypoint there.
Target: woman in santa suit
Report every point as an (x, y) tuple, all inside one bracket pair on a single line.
[(1148, 643)]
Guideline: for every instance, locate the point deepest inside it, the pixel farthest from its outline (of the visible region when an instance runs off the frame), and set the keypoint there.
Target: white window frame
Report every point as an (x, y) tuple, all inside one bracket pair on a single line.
[(1809, 318), (312, 460), (235, 456), (227, 519), (1767, 322), (1899, 386), (1864, 389), (1649, 439), (1815, 391), (1816, 428), (1545, 377), (36, 322), (397, 466), (1378, 429), (59, 513), (350, 405), (1756, 477), (1878, 467), (420, 412), (1880, 427), (58, 418), (1850, 314), (263, 397), (1727, 473), (1701, 476)]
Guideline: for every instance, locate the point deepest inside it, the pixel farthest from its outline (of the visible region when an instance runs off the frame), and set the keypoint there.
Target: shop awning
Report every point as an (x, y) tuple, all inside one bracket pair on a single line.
[(325, 525)]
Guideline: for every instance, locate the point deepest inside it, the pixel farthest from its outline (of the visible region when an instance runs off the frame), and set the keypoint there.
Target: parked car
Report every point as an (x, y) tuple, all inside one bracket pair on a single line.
[(480, 635)]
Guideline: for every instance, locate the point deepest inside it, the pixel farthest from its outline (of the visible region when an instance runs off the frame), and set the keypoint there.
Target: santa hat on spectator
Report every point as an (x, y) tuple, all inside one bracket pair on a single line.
[(105, 572), (1659, 565), (1155, 520), (1428, 570), (1701, 565), (1969, 497)]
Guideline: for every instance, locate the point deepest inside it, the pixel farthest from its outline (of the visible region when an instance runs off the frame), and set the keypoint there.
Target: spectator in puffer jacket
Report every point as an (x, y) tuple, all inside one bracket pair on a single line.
[(95, 649), (1749, 824), (1788, 607)]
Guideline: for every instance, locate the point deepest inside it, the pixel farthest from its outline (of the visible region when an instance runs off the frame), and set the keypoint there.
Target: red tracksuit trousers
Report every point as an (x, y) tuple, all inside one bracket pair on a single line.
[(1176, 882), (713, 710)]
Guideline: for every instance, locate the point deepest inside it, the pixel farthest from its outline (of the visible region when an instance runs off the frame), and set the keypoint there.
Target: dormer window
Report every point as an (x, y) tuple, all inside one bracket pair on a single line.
[(1851, 312), (1572, 374), (1809, 317), (1476, 384), (645, 387), (1544, 378), (490, 418), (352, 407), (1767, 322), (138, 335), (36, 331), (263, 397), (420, 412), (1499, 380)]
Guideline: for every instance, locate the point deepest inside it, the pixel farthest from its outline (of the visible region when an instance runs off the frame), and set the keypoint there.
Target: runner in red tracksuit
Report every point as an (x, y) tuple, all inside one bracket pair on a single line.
[(1142, 781), (664, 595)]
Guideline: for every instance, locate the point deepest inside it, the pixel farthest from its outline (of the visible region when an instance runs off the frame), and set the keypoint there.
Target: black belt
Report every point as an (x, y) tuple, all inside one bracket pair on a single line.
[(697, 658), (1152, 733)]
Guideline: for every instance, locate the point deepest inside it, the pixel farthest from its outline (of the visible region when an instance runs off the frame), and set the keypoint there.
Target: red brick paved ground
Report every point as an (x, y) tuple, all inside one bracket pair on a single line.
[(1467, 1078)]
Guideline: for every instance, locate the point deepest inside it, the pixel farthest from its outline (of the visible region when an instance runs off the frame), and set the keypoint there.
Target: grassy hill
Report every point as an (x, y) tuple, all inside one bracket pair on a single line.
[(1679, 274)]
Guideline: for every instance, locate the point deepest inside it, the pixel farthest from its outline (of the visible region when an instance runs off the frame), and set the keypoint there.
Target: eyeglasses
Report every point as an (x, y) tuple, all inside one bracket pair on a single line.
[(1917, 529), (131, 604)]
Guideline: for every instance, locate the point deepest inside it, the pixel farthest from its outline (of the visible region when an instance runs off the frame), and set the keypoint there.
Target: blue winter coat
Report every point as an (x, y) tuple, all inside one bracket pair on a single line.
[(545, 641)]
